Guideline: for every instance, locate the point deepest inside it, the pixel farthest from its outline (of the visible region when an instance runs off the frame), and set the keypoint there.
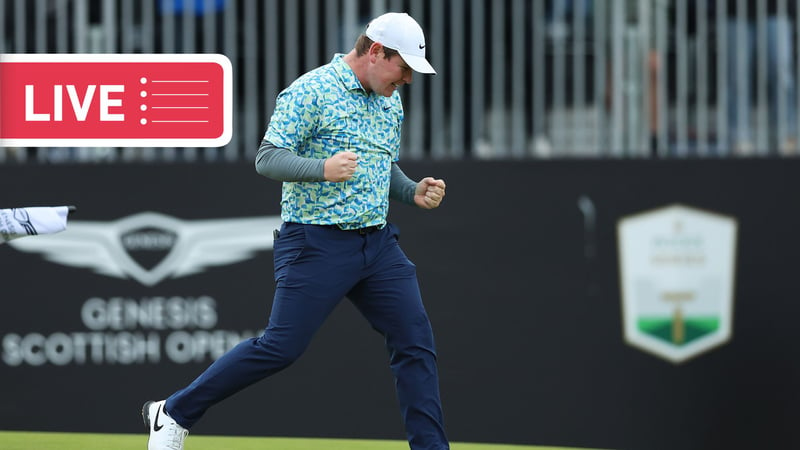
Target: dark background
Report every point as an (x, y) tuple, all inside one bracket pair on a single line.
[(528, 324)]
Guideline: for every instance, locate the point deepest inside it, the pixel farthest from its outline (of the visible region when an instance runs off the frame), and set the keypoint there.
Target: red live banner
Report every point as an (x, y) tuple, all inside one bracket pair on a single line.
[(115, 100)]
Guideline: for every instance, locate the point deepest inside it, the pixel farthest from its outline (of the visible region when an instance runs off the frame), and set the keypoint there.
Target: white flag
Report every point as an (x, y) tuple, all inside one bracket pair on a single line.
[(21, 222)]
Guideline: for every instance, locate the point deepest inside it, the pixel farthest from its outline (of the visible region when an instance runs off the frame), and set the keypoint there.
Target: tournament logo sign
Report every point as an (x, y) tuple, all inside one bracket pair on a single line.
[(677, 279), (125, 327)]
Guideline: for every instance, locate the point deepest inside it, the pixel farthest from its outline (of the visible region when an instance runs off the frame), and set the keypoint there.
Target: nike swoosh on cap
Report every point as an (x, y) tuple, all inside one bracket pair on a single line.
[(399, 31)]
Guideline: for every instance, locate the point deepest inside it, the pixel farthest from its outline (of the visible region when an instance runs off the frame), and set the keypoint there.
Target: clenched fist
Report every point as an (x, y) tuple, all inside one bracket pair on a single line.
[(429, 193), (340, 167)]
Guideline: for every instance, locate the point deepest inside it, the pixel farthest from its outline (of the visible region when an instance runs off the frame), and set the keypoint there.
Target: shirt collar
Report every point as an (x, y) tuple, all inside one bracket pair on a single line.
[(345, 73)]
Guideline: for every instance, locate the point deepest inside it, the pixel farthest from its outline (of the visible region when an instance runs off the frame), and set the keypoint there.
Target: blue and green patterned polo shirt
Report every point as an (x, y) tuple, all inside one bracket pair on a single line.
[(327, 111)]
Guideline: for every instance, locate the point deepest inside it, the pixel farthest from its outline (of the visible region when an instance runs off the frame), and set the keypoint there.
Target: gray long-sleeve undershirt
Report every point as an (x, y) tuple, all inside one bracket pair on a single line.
[(283, 165)]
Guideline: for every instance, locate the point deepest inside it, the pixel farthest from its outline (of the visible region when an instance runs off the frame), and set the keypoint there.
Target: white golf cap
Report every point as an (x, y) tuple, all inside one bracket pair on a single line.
[(400, 32)]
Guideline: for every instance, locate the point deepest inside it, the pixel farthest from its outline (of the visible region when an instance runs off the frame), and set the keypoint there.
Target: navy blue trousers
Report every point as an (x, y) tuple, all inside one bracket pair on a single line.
[(315, 267)]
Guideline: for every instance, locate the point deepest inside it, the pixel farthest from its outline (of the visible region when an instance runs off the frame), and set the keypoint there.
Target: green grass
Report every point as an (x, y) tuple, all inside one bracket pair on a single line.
[(18, 440)]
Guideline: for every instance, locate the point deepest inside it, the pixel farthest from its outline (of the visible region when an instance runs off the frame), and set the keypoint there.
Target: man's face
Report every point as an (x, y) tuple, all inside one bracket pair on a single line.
[(389, 74)]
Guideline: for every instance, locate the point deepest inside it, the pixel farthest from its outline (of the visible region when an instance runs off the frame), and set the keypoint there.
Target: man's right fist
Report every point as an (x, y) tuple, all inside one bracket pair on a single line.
[(340, 167)]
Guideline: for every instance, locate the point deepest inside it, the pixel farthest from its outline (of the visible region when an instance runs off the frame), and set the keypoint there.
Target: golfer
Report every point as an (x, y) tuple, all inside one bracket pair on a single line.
[(334, 140)]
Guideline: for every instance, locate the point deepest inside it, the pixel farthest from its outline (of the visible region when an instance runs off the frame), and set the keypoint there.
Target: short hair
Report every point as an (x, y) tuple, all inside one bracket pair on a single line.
[(363, 43)]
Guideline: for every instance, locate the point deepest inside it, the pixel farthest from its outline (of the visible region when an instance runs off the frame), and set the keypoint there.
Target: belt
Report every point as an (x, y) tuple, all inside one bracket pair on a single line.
[(364, 230)]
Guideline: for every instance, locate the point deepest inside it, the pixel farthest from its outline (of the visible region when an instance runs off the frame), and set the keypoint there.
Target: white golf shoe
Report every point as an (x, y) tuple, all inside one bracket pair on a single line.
[(165, 433)]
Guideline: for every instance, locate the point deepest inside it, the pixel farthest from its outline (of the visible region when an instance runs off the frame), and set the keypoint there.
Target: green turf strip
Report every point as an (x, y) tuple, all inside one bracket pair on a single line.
[(18, 440)]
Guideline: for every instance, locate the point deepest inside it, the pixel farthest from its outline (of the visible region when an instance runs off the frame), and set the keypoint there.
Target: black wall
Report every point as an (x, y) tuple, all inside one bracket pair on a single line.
[(524, 300)]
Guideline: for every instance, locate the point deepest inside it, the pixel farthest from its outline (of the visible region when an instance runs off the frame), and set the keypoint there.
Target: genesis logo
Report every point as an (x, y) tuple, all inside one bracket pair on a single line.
[(150, 247)]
